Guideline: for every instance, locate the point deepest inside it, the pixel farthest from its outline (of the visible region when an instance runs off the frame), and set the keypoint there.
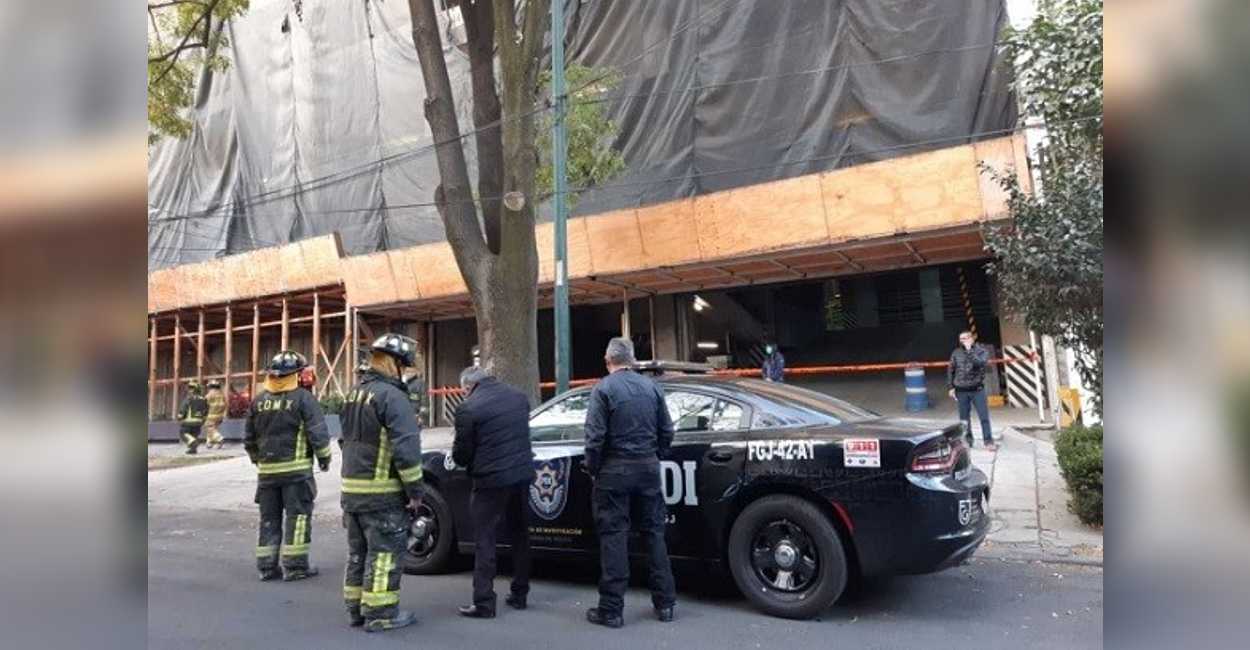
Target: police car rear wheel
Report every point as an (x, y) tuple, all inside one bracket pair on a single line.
[(430, 539), (786, 557)]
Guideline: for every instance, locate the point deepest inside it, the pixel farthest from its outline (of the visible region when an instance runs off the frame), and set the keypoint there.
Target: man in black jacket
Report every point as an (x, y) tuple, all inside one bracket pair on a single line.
[(382, 476), (965, 376), (285, 429), (493, 443), (628, 431)]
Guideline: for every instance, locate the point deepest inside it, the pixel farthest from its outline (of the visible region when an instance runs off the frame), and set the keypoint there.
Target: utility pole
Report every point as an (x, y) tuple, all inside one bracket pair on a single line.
[(559, 145)]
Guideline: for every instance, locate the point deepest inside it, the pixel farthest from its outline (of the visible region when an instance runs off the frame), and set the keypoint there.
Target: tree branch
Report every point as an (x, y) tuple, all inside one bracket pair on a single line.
[(455, 196), (480, 29)]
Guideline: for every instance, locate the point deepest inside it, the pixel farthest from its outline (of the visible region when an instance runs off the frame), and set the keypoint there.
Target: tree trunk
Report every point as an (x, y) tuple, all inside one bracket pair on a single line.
[(502, 284)]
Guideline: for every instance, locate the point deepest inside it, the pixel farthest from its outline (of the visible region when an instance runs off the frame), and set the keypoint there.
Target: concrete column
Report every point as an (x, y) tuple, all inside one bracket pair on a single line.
[(664, 317)]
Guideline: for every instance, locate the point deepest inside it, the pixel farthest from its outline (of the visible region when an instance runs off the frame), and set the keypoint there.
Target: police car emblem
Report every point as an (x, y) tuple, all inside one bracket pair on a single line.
[(966, 511), (550, 490)]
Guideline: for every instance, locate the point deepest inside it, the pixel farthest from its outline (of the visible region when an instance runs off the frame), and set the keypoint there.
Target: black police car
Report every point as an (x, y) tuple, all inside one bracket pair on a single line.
[(794, 491)]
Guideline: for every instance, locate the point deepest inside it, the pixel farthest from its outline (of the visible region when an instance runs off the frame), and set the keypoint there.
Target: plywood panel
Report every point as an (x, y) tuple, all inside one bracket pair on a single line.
[(321, 260), (294, 274), (368, 279), (401, 269), (247, 284), (928, 190), (669, 233), (579, 258), (758, 218), (1000, 156), (434, 268), (615, 242)]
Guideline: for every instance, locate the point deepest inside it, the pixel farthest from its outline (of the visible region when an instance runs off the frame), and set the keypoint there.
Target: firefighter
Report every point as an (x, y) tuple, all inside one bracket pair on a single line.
[(285, 429), (381, 475), (191, 416), (216, 413)]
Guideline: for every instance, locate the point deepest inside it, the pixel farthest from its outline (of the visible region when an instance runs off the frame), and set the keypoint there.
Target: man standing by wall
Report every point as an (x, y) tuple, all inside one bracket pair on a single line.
[(285, 428), (381, 475), (965, 377), (774, 368), (628, 431), (493, 444), (216, 413)]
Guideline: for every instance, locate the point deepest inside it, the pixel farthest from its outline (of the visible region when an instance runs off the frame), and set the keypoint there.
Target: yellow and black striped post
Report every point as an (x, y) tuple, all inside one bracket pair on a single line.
[(963, 292)]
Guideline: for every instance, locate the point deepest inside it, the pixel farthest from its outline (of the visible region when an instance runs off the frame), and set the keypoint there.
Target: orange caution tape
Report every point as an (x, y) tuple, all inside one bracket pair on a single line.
[(804, 370)]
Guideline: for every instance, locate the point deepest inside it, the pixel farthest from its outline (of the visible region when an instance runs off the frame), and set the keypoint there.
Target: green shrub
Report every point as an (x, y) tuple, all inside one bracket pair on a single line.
[(1080, 460), (332, 404)]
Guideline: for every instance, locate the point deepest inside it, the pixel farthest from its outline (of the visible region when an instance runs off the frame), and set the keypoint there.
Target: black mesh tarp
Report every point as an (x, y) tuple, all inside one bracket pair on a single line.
[(317, 126)]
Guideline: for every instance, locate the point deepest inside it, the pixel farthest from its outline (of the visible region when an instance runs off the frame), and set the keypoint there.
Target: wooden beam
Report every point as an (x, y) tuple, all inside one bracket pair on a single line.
[(229, 347), (842, 256), (915, 253), (349, 339), (199, 349), (152, 361), (255, 348), (177, 363), (316, 332), (286, 325)]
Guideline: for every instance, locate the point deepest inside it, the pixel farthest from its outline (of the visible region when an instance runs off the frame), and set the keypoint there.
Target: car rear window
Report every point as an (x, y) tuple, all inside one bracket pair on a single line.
[(809, 401)]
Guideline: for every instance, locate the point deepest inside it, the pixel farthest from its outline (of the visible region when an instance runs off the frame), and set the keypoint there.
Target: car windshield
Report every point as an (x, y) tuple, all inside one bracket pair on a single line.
[(806, 399)]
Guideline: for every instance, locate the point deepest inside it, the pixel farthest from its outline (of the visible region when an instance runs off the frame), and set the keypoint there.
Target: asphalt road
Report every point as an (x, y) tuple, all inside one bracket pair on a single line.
[(203, 593)]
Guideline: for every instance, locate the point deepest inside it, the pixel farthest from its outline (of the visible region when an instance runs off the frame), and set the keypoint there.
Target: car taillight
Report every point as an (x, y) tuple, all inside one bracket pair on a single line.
[(937, 456)]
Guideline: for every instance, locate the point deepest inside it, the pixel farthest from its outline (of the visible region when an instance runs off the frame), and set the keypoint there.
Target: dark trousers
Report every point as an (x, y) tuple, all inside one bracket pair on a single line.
[(621, 493), (285, 524), (376, 544), (189, 434), (488, 506), (974, 398)]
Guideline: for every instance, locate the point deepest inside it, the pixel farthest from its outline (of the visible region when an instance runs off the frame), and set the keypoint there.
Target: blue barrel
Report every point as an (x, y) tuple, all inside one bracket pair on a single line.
[(917, 396)]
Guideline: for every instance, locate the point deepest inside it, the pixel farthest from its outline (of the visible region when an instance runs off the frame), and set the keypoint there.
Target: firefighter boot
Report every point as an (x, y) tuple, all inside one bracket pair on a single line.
[(402, 618), (300, 574)]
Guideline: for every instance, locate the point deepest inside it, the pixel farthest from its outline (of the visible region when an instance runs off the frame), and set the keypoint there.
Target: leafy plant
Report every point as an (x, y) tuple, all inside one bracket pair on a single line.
[(591, 158), (1080, 460), (1048, 259), (332, 404)]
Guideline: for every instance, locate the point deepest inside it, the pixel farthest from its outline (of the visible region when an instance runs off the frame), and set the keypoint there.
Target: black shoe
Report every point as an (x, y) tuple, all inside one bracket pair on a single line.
[(473, 611), (401, 619), (596, 616), (269, 574), (354, 618), (514, 601), (191, 451), (300, 574), (664, 614)]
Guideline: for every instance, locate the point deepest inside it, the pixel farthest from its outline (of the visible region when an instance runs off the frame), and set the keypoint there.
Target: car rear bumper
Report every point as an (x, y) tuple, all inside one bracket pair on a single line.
[(939, 523)]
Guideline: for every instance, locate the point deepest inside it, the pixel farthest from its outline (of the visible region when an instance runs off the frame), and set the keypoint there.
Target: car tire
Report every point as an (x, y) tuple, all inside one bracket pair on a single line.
[(438, 559), (796, 524)]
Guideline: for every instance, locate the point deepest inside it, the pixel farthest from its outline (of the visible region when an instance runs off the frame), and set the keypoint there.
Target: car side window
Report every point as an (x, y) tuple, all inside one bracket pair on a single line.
[(698, 412), (561, 418)]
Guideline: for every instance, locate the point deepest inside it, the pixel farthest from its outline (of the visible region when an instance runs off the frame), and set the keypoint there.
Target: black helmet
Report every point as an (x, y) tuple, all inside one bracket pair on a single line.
[(402, 348), (286, 362), (193, 385), (214, 383)]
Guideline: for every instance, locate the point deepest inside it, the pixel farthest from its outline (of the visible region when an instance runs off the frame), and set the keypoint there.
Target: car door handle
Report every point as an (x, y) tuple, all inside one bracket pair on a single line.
[(719, 456)]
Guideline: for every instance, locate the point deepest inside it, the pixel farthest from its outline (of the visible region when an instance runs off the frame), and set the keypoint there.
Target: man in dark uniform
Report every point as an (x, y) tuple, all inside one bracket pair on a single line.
[(381, 475), (493, 444), (628, 431), (285, 429), (191, 416)]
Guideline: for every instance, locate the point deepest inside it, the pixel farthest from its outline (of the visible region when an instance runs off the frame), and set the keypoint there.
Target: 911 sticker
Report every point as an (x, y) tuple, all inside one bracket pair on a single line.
[(861, 452), (781, 450)]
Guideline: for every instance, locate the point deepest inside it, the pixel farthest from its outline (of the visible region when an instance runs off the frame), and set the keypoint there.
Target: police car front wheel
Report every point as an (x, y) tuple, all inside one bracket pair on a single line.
[(430, 539), (786, 557)]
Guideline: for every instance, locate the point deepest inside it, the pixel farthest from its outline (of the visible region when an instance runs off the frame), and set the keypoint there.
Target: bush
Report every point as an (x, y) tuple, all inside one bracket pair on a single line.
[(1080, 460), (332, 404)]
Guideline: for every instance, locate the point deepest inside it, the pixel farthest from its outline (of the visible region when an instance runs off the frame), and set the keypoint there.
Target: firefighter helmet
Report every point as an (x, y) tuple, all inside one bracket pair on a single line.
[(286, 362), (401, 347), (214, 383)]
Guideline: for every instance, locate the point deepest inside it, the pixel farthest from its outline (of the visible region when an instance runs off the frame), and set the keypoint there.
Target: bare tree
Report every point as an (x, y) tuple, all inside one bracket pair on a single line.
[(495, 251)]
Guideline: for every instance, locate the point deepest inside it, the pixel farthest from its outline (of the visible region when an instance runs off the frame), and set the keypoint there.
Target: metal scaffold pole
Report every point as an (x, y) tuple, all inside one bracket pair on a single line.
[(559, 140)]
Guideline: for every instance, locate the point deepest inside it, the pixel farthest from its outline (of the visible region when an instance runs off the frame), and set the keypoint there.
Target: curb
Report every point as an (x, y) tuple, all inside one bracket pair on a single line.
[(1032, 553)]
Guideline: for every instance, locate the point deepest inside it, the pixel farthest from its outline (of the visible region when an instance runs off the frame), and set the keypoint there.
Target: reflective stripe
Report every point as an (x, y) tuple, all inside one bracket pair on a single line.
[(287, 466), (266, 551), (382, 468), (295, 549), (351, 592), (380, 572), (371, 486), (410, 474), (379, 598), (323, 452), (192, 420), (301, 443)]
